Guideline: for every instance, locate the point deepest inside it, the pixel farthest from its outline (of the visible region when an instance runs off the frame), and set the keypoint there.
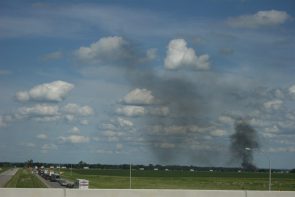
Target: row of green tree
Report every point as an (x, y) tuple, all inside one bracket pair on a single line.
[(82, 164)]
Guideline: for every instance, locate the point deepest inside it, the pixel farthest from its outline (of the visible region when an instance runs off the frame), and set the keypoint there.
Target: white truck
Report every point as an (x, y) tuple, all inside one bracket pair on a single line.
[(81, 184)]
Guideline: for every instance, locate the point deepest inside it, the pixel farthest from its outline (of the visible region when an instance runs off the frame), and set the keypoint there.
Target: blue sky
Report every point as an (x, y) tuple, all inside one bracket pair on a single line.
[(146, 81)]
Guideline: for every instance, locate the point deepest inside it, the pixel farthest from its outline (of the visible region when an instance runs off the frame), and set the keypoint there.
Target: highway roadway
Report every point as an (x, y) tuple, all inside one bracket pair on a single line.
[(48, 183), (6, 176)]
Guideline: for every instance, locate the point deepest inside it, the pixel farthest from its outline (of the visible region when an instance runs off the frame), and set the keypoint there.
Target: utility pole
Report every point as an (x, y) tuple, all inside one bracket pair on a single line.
[(269, 177), (130, 176)]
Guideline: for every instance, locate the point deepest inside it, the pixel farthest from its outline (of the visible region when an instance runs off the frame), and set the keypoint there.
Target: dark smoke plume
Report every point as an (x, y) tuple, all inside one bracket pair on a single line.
[(180, 95), (243, 142), (190, 96)]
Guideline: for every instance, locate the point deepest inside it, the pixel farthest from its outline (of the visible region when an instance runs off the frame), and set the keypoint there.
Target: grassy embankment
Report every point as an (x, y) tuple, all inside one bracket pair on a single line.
[(24, 179), (182, 179), (2, 169)]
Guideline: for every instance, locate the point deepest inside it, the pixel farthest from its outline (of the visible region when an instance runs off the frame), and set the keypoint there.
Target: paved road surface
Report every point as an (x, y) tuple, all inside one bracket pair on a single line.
[(6, 176), (48, 183)]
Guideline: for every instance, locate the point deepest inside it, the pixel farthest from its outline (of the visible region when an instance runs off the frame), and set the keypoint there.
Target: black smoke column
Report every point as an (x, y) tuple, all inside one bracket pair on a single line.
[(243, 143)]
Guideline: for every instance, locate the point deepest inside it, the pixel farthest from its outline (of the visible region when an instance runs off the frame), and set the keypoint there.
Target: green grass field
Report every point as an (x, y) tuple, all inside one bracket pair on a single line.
[(24, 179), (183, 179)]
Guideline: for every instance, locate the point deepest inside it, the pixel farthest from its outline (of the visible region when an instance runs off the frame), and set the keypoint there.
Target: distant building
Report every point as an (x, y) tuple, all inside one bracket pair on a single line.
[(192, 170), (141, 168), (166, 169), (51, 167), (156, 169), (86, 168)]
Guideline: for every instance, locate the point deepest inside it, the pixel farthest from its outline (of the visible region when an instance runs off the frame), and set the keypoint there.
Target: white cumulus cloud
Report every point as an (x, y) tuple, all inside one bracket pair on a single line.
[(139, 97), (75, 139), (39, 110), (53, 92), (119, 147), (72, 108), (273, 104), (112, 135), (282, 149), (105, 49), (124, 122), (170, 130), (265, 18), (272, 129), (226, 120), (292, 90), (179, 56), (131, 110), (84, 122), (75, 130), (279, 93), (3, 123), (42, 136), (218, 132), (151, 54), (46, 147)]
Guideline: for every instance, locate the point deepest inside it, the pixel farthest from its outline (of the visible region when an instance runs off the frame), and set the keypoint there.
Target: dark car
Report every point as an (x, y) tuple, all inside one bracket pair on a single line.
[(62, 182), (46, 176), (70, 185), (54, 177)]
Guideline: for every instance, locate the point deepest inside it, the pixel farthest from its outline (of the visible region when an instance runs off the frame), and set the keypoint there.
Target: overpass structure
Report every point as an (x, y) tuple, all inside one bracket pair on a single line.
[(48, 192)]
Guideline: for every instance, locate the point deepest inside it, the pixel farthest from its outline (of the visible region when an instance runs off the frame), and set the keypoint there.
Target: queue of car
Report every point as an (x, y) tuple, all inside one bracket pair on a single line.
[(55, 177)]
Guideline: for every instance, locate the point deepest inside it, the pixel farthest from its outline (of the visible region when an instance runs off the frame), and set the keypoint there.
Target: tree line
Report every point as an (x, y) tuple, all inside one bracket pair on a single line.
[(81, 164)]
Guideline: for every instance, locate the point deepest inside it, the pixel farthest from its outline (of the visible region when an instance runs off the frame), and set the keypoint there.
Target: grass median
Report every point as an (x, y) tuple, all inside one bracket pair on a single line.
[(24, 179)]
